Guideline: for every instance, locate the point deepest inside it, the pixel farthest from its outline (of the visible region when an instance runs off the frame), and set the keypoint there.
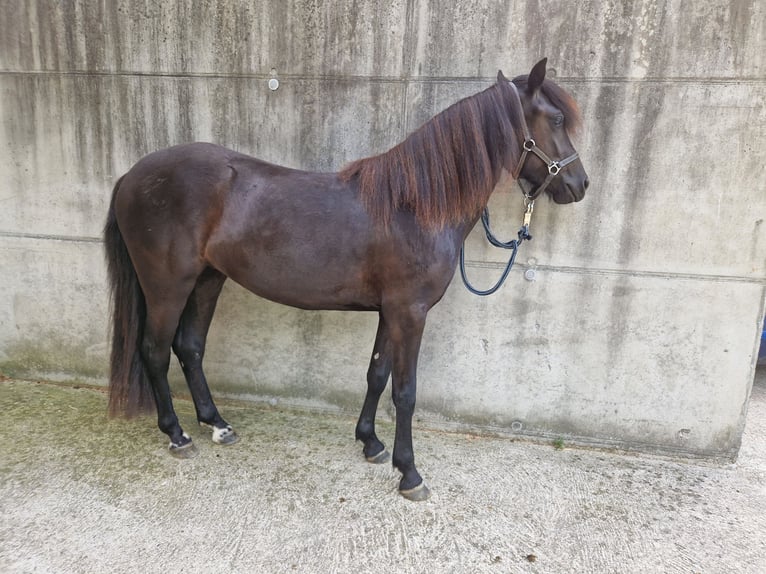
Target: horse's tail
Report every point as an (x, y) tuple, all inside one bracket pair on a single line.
[(130, 391)]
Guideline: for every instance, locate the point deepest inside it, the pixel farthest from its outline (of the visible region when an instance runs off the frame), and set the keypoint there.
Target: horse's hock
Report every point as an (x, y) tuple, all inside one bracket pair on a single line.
[(640, 328)]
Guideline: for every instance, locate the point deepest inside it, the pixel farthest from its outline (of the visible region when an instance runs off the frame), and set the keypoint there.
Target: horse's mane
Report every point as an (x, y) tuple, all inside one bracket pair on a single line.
[(445, 170)]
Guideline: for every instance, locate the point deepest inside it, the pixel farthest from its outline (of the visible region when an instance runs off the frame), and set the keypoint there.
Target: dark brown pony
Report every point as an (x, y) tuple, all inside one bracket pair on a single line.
[(382, 235)]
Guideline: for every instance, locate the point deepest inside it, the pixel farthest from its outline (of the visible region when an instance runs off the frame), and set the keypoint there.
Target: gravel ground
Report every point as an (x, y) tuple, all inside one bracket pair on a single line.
[(80, 493)]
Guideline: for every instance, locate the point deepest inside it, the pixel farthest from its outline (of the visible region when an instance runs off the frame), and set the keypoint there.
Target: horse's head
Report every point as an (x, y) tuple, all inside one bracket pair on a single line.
[(549, 161)]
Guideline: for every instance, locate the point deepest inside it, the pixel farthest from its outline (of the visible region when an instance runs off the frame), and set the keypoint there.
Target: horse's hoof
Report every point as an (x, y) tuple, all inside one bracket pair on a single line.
[(418, 494), (379, 458), (224, 435), (186, 450)]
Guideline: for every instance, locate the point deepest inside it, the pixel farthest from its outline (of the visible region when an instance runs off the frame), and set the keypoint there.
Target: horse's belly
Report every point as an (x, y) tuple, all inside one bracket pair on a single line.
[(309, 278)]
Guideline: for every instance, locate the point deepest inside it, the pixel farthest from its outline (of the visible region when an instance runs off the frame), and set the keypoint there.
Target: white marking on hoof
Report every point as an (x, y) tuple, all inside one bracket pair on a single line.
[(220, 434), (174, 445), (225, 436), (183, 451)]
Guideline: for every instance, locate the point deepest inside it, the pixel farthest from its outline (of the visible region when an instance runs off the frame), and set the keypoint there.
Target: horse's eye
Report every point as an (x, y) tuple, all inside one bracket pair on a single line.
[(558, 121)]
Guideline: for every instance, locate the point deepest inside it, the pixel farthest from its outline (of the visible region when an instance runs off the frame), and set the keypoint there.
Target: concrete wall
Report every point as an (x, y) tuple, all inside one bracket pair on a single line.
[(641, 327)]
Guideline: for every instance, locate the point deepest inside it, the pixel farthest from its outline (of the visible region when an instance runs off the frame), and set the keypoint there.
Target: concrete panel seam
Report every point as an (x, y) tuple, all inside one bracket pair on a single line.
[(723, 80), (346, 78), (484, 264), (44, 237), (623, 272)]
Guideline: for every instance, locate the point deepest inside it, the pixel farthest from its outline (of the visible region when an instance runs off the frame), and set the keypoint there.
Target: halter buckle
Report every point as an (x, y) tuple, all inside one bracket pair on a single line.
[(554, 168), (530, 205), (529, 144)]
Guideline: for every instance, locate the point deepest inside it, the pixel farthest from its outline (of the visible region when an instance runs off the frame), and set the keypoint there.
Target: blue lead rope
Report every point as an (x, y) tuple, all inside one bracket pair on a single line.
[(512, 244)]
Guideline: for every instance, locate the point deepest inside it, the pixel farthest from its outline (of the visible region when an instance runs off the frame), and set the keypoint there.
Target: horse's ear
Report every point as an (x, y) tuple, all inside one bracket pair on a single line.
[(501, 77), (537, 75)]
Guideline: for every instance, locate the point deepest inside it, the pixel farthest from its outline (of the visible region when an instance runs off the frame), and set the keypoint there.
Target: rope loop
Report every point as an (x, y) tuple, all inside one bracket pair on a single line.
[(513, 244)]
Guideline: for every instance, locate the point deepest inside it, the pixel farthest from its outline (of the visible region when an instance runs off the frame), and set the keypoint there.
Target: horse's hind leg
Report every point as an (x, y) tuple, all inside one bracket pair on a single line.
[(377, 377), (189, 347), (162, 315)]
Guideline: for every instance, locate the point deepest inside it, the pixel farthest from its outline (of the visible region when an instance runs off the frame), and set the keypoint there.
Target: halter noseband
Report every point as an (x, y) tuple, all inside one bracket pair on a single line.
[(554, 167)]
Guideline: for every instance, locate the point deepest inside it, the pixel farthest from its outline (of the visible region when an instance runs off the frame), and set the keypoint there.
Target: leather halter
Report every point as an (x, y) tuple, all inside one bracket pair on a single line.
[(529, 145)]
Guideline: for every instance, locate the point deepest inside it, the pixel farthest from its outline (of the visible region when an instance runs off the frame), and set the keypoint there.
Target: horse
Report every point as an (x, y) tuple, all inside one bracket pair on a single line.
[(383, 235)]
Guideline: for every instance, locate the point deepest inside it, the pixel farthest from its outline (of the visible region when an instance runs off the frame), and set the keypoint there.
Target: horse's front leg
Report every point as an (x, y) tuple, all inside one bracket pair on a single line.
[(406, 331), (377, 377)]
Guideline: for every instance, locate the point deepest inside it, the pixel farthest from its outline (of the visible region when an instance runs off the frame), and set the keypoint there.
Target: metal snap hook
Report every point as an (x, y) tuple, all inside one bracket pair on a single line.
[(528, 199), (530, 207)]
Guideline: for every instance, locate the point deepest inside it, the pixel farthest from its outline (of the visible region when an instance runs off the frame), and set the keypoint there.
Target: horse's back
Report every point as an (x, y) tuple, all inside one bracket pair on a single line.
[(183, 186), (192, 168)]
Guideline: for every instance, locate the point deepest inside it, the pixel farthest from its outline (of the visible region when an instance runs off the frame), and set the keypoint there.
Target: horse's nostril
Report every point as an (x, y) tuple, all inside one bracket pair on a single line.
[(586, 183)]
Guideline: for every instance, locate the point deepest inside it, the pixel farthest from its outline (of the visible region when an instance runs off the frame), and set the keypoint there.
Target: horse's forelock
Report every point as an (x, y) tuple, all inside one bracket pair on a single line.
[(559, 98)]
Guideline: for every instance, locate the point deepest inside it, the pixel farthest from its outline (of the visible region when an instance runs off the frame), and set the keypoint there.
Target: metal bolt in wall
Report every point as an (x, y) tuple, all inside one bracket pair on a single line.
[(273, 82)]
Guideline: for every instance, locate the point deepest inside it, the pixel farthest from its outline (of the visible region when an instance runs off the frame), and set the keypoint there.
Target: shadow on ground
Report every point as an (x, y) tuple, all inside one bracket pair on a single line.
[(81, 493)]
